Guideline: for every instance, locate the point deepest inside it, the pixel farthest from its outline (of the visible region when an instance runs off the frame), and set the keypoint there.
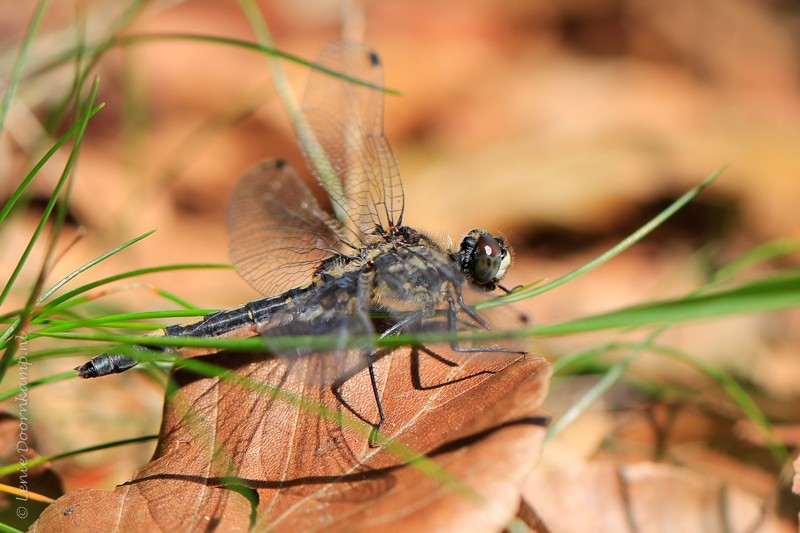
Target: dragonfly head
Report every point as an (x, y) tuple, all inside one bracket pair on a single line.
[(483, 258)]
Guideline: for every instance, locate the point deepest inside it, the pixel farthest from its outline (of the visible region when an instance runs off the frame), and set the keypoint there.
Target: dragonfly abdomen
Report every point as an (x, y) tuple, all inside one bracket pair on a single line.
[(239, 321)]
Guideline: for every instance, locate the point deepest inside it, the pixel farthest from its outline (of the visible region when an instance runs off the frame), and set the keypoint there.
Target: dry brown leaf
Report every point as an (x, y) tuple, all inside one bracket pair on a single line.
[(230, 458), (644, 497)]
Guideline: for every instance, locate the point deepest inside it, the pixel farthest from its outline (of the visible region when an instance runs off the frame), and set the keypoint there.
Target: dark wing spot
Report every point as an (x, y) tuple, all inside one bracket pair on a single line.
[(374, 59)]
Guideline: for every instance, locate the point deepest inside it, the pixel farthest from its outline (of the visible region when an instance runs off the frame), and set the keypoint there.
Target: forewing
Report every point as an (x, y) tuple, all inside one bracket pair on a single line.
[(277, 231), (341, 134), (335, 314)]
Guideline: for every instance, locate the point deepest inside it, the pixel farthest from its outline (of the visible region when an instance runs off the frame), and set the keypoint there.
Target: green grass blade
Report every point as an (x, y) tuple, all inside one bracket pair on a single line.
[(346, 420), (51, 204), (57, 302), (69, 325), (77, 55), (90, 264), (732, 388), (270, 51), (305, 135), (252, 344), (19, 63), (774, 293), (65, 351), (566, 362), (33, 463), (20, 323), (130, 40), (760, 254), (630, 240), (737, 393), (15, 196), (37, 383), (8, 529), (176, 299), (769, 294), (598, 389)]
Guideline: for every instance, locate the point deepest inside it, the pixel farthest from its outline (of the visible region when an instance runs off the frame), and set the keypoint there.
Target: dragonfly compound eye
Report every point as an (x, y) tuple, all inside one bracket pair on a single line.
[(483, 258)]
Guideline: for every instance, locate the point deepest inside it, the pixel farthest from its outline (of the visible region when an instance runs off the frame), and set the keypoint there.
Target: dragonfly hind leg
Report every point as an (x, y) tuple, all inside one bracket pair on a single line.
[(336, 389), (374, 433)]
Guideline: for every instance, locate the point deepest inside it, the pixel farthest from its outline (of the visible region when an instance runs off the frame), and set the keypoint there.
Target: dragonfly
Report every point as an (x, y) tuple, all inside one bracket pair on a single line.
[(355, 275)]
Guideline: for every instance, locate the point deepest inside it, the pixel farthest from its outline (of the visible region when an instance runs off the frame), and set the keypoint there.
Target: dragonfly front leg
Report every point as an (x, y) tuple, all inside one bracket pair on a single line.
[(458, 303)]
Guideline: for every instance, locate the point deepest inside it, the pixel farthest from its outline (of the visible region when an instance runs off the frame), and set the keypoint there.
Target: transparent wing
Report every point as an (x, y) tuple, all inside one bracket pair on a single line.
[(338, 311), (341, 134), (278, 234)]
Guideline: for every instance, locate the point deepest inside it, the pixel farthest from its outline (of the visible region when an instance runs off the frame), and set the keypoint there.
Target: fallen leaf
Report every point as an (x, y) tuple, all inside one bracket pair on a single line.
[(644, 497), (236, 455)]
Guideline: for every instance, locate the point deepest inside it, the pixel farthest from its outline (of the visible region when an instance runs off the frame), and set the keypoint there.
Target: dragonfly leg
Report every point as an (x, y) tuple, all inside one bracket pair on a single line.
[(452, 319), (373, 435), (336, 389), (395, 328), (467, 309), (416, 375), (406, 321)]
